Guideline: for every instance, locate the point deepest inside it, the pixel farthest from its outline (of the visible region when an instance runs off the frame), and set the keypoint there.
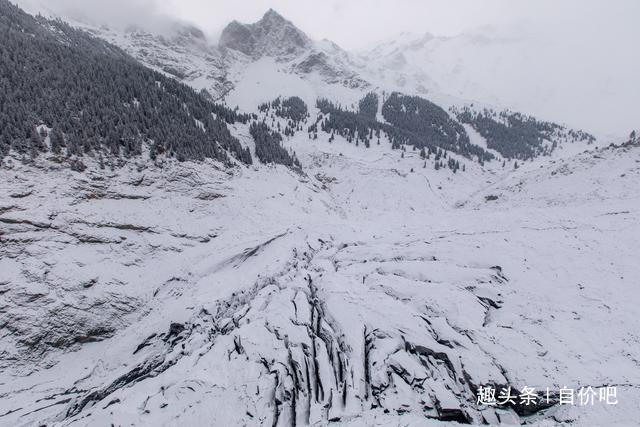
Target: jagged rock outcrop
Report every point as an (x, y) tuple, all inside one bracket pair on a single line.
[(271, 36), (146, 292), (186, 55), (332, 69), (365, 290)]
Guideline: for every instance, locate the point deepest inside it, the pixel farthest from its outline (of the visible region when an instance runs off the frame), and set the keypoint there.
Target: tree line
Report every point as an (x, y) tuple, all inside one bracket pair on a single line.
[(518, 136), (410, 121), (269, 147), (97, 99)]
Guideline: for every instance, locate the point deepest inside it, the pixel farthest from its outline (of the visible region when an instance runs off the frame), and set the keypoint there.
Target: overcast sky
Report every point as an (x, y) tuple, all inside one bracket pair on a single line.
[(358, 23), (585, 51)]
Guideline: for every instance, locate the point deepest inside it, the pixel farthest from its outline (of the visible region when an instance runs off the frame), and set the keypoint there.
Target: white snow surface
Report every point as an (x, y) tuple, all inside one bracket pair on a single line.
[(511, 68), (366, 290), (500, 68), (357, 291)]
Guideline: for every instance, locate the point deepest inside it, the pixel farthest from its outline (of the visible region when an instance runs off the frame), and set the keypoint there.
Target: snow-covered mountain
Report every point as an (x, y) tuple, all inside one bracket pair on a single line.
[(516, 68), (271, 45), (513, 69), (184, 54), (272, 36), (359, 292), (366, 287)]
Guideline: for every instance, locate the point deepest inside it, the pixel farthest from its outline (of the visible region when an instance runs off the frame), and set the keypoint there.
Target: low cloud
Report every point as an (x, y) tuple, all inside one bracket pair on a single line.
[(118, 14), (586, 48)]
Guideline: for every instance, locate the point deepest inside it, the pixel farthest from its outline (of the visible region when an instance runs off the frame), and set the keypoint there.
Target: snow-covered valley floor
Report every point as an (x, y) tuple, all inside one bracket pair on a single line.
[(358, 293)]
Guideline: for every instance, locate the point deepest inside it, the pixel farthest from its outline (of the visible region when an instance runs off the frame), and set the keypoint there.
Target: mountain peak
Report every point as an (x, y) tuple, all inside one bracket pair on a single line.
[(272, 36), (272, 15)]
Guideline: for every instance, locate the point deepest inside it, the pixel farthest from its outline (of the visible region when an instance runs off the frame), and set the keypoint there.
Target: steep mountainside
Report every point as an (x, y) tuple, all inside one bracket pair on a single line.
[(358, 292), (71, 94), (494, 68), (333, 252), (522, 69), (190, 57), (186, 55), (193, 59), (271, 36)]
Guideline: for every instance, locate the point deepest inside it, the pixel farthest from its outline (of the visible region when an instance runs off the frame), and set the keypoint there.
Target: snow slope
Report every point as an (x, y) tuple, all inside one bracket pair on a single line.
[(521, 69), (358, 291), (366, 290), (270, 47)]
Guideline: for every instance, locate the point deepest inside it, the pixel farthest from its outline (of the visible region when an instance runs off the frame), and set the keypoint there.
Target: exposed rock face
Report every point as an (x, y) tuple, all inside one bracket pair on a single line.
[(315, 62), (239, 37), (191, 32), (185, 55), (63, 270), (331, 70), (355, 293), (144, 293), (188, 56), (271, 36)]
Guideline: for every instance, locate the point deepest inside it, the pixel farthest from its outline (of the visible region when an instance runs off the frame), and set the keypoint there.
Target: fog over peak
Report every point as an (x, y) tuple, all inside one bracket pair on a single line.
[(586, 48), (117, 14)]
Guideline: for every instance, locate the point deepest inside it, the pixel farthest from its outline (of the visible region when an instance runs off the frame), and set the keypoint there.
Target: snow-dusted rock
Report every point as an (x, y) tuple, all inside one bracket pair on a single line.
[(260, 296), (271, 36)]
